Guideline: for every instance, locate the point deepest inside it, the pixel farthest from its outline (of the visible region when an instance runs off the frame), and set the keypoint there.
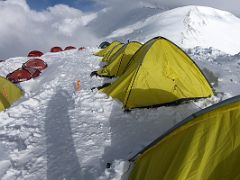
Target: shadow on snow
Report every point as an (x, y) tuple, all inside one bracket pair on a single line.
[(62, 160), (131, 132)]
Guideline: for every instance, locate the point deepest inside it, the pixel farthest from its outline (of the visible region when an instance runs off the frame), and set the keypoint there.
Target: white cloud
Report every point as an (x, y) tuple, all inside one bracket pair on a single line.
[(119, 13), (230, 5), (23, 29)]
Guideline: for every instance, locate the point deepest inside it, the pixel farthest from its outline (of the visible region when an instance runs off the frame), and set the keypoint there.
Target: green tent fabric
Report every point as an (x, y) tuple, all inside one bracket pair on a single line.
[(9, 93), (107, 58), (205, 145), (120, 60), (159, 73), (104, 51)]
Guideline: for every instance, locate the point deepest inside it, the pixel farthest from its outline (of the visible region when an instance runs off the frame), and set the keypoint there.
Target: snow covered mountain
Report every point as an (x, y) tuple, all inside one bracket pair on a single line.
[(188, 26), (105, 22)]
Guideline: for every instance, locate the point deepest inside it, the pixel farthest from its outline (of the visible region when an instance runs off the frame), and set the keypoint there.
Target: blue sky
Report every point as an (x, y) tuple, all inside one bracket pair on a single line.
[(91, 5), (84, 5)]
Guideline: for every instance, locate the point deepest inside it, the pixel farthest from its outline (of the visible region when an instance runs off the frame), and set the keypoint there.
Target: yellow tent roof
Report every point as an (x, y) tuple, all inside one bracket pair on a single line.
[(120, 60), (159, 73), (108, 57), (104, 51), (206, 145), (9, 93)]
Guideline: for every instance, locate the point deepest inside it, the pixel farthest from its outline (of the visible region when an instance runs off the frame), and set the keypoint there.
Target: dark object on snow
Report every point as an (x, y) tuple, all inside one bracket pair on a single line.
[(103, 86), (69, 48), (23, 74), (108, 165), (56, 49), (81, 48), (2, 60), (104, 44), (100, 87), (36, 64), (94, 73), (35, 53)]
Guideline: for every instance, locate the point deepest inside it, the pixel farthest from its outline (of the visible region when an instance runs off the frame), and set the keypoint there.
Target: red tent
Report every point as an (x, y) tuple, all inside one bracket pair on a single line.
[(36, 64), (35, 53), (23, 74), (34, 72), (81, 48), (56, 49), (69, 48)]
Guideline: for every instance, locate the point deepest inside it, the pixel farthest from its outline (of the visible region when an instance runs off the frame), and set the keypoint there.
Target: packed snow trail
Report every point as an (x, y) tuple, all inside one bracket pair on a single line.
[(55, 132)]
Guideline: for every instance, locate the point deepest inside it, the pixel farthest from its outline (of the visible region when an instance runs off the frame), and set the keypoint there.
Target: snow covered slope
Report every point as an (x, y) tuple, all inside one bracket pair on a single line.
[(188, 26), (108, 20), (54, 132)]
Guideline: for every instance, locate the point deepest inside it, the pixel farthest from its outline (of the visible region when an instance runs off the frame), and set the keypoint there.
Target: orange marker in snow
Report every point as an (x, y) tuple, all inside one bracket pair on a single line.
[(78, 85)]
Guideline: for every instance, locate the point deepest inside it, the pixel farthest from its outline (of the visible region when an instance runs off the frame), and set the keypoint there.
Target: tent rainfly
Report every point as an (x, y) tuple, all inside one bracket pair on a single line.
[(120, 60), (35, 64), (159, 73), (69, 48), (104, 51), (9, 93), (56, 49), (107, 58), (35, 53), (205, 145)]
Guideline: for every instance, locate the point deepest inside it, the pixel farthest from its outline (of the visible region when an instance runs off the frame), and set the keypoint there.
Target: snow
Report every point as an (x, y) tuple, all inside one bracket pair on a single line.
[(56, 132), (188, 27)]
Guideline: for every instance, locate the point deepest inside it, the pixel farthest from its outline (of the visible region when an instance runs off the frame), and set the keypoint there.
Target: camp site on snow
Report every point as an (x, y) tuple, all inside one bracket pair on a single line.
[(119, 90), (141, 77)]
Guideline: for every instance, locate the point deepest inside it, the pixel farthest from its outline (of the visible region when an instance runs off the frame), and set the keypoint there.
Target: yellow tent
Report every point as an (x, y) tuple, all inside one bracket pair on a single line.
[(9, 93), (107, 58), (159, 73), (104, 51), (120, 60), (205, 145)]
